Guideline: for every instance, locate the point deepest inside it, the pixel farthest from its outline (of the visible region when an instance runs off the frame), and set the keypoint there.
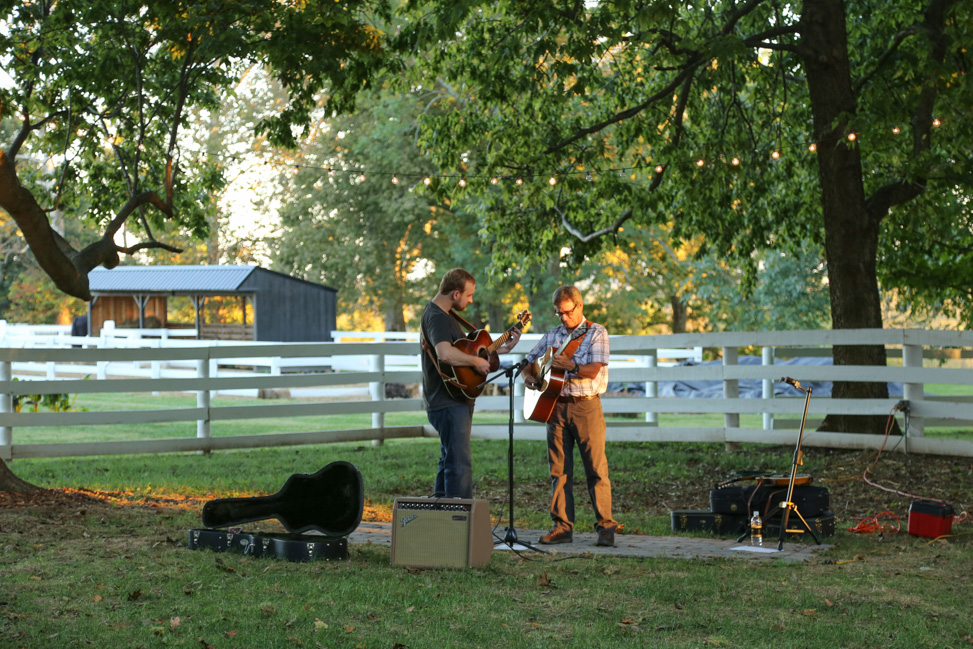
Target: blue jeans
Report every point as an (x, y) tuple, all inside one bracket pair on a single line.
[(455, 476)]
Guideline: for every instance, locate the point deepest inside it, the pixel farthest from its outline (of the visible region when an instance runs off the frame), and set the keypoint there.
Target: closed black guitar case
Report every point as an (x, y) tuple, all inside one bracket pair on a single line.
[(330, 501), (292, 547), (744, 500), (697, 520)]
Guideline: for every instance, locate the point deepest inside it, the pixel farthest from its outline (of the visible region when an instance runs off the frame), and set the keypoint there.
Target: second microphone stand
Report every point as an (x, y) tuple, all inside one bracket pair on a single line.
[(510, 536), (788, 505)]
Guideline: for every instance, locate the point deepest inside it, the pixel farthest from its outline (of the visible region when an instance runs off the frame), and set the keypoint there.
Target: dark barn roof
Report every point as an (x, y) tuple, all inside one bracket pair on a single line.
[(285, 308), (183, 280)]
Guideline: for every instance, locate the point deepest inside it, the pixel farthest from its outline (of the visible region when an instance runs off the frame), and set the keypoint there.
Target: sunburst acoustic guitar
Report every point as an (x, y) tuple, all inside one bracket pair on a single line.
[(466, 383)]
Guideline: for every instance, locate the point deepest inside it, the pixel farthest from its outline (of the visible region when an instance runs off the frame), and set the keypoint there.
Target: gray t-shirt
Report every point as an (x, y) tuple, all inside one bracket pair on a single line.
[(437, 326)]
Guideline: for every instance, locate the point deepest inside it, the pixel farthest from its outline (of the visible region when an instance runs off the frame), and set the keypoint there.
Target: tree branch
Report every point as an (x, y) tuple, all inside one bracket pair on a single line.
[(880, 62), (884, 198), (614, 228), (684, 74)]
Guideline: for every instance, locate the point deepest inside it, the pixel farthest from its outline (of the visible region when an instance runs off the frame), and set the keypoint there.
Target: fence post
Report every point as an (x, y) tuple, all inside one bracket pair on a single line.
[(912, 392), (203, 398), (376, 390), (652, 387), (731, 390), (767, 358), (6, 406)]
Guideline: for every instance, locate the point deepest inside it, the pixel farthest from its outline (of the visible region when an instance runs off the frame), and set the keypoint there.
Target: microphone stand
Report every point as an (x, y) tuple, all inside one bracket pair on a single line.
[(788, 505), (510, 537)]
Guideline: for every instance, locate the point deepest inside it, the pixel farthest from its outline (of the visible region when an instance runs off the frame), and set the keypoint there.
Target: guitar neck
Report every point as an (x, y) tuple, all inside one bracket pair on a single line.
[(503, 338)]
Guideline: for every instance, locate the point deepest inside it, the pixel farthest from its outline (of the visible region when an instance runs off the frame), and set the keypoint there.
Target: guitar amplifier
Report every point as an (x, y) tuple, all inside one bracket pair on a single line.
[(441, 533)]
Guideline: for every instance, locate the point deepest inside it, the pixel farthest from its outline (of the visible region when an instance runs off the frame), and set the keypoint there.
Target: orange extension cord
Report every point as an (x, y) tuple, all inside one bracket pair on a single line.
[(873, 524)]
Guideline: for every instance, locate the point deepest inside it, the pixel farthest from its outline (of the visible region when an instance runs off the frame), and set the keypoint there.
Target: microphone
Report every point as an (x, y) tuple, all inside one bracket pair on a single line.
[(521, 365), (787, 379)]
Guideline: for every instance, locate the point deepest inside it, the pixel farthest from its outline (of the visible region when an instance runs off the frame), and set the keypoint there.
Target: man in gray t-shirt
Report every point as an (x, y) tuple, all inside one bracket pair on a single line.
[(451, 417)]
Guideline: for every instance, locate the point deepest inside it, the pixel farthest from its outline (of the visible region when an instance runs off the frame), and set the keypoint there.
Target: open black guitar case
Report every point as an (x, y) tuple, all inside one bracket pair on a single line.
[(318, 510)]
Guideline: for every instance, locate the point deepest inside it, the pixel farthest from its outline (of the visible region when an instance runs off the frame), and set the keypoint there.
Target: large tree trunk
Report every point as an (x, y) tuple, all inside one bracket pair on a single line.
[(680, 314), (10, 482), (394, 313), (851, 235)]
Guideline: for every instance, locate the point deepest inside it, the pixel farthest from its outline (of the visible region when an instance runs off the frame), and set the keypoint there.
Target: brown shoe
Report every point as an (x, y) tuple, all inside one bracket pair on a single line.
[(606, 538), (557, 535)]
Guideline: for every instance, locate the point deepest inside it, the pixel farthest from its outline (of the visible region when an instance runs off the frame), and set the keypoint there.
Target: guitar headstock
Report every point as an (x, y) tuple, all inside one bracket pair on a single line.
[(523, 319)]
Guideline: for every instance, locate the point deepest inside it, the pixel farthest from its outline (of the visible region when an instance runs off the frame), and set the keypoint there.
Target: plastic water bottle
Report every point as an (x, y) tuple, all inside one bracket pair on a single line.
[(756, 530)]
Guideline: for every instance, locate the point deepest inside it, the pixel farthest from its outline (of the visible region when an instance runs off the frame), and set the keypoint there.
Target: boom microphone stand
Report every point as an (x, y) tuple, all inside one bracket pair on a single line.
[(510, 537), (788, 505)]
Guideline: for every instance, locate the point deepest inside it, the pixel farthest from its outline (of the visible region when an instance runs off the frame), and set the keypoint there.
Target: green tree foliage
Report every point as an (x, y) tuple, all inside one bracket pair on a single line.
[(351, 216), (101, 89), (703, 115)]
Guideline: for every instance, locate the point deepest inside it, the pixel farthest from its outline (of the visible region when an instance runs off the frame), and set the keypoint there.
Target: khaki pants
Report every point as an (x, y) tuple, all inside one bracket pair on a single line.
[(581, 423)]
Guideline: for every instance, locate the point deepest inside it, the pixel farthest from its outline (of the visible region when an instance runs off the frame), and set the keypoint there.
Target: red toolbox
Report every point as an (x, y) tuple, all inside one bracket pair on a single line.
[(930, 518)]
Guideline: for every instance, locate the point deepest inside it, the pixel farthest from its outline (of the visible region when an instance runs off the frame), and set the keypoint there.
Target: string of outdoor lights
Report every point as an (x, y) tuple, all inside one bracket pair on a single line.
[(463, 180)]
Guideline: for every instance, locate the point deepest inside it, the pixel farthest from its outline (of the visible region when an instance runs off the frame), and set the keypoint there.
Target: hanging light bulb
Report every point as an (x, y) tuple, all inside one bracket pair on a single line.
[(735, 162), (426, 180), (658, 169), (700, 162), (896, 130), (494, 180), (520, 181), (552, 181), (775, 155), (936, 122), (852, 137), (462, 182), (395, 180), (361, 178), (812, 148)]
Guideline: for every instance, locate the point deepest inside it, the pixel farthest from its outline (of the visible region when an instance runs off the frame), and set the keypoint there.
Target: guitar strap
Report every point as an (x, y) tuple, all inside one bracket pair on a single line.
[(571, 345)]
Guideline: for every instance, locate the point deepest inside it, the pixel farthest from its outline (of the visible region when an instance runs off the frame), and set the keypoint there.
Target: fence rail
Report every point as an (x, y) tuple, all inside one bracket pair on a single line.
[(358, 373)]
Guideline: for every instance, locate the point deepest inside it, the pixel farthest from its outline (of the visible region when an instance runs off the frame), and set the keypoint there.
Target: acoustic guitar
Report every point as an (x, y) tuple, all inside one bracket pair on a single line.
[(771, 480), (463, 382), (539, 403)]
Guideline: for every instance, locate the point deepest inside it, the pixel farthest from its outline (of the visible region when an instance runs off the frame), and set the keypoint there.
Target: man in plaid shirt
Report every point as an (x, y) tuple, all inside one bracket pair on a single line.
[(577, 417)]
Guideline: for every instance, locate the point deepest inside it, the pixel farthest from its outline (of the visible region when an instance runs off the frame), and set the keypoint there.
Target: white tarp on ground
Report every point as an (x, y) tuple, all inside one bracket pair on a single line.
[(749, 388)]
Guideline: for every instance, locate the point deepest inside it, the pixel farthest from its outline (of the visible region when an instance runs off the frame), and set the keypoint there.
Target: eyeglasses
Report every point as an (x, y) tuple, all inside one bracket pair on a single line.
[(561, 314)]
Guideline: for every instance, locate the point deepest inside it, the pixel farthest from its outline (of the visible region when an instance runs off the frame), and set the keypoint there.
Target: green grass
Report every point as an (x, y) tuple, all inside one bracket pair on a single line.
[(120, 575)]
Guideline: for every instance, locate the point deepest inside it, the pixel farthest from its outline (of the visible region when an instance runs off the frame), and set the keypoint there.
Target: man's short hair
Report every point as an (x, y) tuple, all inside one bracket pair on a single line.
[(567, 293), (455, 280)]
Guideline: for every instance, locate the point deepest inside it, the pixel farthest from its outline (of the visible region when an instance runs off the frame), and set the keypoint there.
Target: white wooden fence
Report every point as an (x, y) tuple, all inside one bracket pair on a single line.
[(205, 367)]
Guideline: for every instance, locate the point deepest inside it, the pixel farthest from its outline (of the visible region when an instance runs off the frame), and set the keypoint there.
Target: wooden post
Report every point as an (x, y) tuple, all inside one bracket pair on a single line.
[(652, 387), (376, 389), (731, 390), (911, 392), (6, 406), (767, 358), (203, 400)]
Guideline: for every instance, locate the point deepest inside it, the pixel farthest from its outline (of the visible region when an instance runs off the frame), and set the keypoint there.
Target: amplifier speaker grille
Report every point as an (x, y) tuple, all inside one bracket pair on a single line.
[(441, 533)]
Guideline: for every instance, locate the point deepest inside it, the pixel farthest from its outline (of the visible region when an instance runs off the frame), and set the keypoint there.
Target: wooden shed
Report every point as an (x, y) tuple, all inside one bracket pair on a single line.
[(254, 303)]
